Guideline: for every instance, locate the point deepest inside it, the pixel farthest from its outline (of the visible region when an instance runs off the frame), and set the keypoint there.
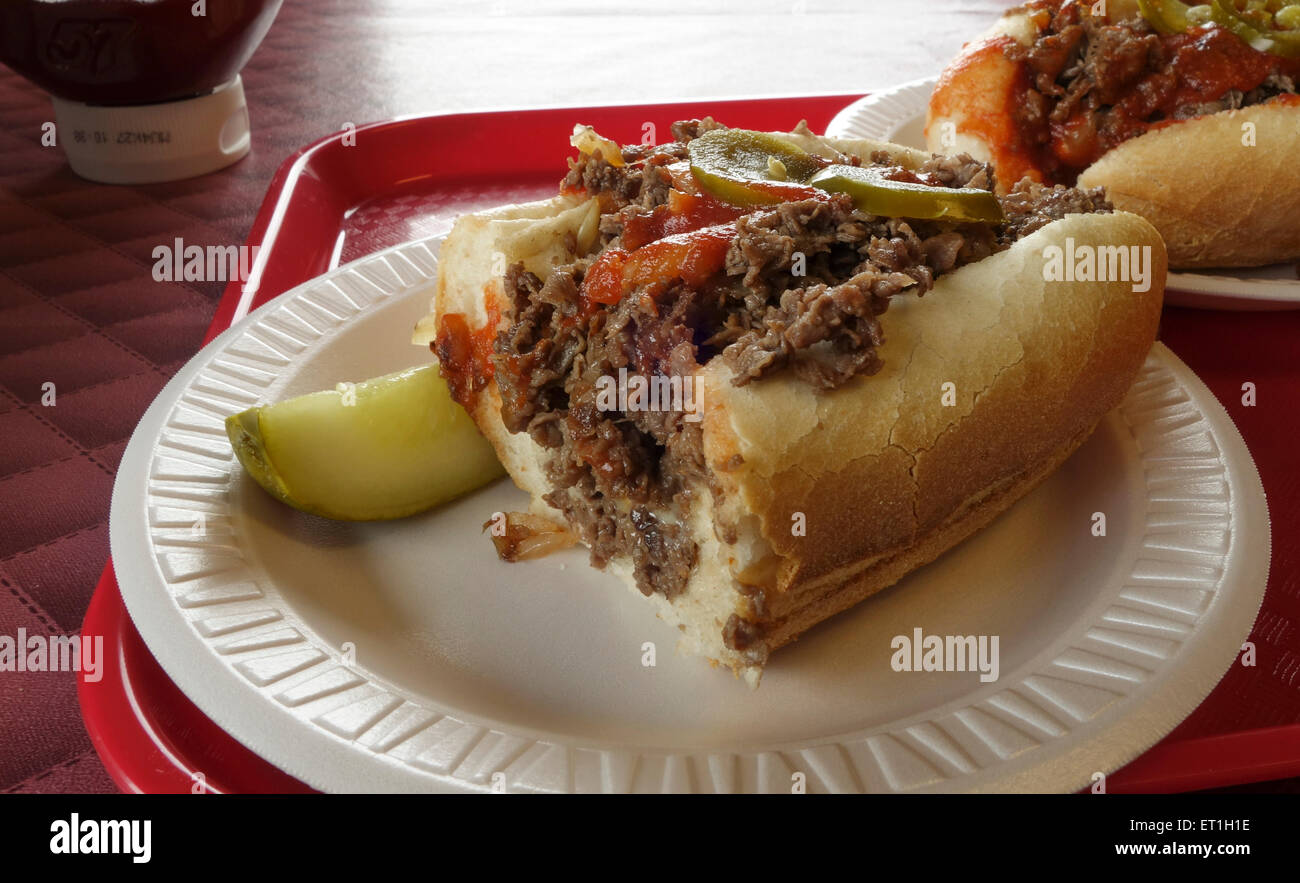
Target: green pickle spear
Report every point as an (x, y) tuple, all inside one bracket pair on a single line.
[(875, 194), (385, 448)]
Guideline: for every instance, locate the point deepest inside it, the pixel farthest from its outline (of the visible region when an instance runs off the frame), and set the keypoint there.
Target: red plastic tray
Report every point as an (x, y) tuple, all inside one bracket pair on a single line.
[(333, 202)]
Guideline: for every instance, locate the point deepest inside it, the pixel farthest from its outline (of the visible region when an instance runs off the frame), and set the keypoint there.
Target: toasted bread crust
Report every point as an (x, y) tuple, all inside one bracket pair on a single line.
[(870, 576), (1033, 364), (1223, 190)]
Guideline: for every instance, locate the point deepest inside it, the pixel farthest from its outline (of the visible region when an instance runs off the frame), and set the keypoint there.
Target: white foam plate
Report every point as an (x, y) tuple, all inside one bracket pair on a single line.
[(898, 115), (405, 656)]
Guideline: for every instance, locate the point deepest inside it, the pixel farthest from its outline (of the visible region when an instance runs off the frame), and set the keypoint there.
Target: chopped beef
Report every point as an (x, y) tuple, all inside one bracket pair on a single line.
[(803, 286), (1117, 55), (642, 180), (843, 316), (1030, 206), (687, 130), (957, 171), (541, 345), (1050, 55), (655, 184), (595, 174), (740, 634), (824, 323), (665, 554)]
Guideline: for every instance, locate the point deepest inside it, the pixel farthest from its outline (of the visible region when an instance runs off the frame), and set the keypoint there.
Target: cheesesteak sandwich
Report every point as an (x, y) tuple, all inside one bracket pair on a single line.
[(765, 375), (1187, 115)]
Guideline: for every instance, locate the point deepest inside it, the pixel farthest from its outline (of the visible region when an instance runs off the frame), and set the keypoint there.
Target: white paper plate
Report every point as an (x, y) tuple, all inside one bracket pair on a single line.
[(898, 115), (405, 656)]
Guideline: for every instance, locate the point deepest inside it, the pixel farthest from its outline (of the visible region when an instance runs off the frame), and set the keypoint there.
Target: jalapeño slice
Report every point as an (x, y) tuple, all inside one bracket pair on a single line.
[(744, 167), (1257, 28), (876, 194)]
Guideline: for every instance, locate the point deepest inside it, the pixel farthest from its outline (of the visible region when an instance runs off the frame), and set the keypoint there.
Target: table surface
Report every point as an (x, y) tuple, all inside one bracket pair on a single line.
[(79, 308)]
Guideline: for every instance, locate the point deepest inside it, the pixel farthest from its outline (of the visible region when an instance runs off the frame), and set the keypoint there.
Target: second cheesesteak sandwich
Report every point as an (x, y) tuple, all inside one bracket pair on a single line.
[(764, 375)]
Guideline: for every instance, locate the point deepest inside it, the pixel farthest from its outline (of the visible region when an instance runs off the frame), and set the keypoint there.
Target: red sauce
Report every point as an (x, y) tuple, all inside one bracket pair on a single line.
[(693, 257), (603, 283), (1210, 61), (465, 356), (683, 213), (996, 126), (781, 191)]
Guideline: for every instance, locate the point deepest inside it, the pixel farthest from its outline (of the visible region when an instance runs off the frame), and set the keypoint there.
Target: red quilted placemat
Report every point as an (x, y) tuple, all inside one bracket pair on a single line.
[(79, 309)]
